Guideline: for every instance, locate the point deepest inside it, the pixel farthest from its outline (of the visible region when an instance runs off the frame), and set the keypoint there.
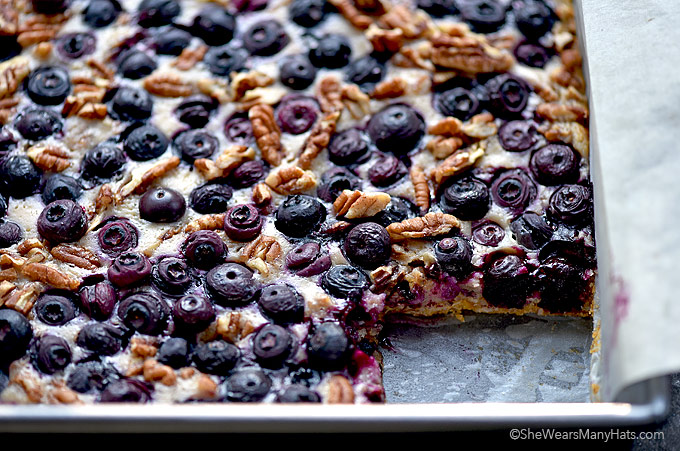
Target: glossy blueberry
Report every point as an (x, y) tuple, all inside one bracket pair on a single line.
[(247, 385), (531, 54), (204, 249), (171, 275), (48, 85), (507, 282), (231, 284), (50, 354), (533, 18), (174, 352), (91, 376), (135, 64), (9, 47), (36, 124), (345, 282), (297, 72), (296, 115), (307, 13), (210, 198), (145, 143), (195, 144), (143, 312), (117, 235), (62, 221), (100, 13), (20, 178), (298, 393), (368, 245), (571, 204), (386, 171), (249, 5), (467, 198), (457, 102), (242, 222), (248, 173), (98, 300), (518, 136), (335, 181), (365, 72), (15, 335), (129, 269), (331, 51), (216, 357), (282, 304), (272, 345), (347, 147), (454, 255), (225, 59), (155, 13), (214, 25), (8, 142), (162, 205), (265, 38), (11, 233), (508, 95), (171, 41), (555, 164), (60, 186), (239, 130), (100, 338), (397, 128), (530, 230), (328, 346), (195, 110), (488, 233), (513, 189), (562, 284), (305, 376), (192, 314), (397, 210), (130, 104), (484, 16), (299, 215), (55, 307), (75, 45), (307, 259), (50, 6), (438, 8), (126, 391)]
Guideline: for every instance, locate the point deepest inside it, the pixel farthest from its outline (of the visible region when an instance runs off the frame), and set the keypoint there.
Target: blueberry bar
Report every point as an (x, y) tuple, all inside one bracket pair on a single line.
[(226, 201)]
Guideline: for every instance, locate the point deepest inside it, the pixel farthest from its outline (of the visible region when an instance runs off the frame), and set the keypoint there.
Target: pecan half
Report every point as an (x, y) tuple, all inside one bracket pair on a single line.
[(442, 147), (290, 180), (470, 54), (167, 85), (12, 73), (356, 101), (352, 14), (234, 326), (243, 82), (230, 158), (318, 139), (340, 390), (206, 222), (329, 93), (76, 255), (139, 183), (359, 204), (562, 112), (421, 187), (154, 371), (49, 157), (449, 126), (260, 253), (480, 126), (23, 299), (49, 275), (86, 102), (569, 132), (432, 224), (390, 89), (267, 133), (385, 41), (412, 24), (458, 162), (190, 57)]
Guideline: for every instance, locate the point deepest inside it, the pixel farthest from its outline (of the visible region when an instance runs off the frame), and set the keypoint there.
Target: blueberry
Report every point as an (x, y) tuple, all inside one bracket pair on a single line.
[(513, 189), (195, 110), (50, 354), (328, 346), (131, 104), (248, 173), (297, 72), (60, 186), (214, 25), (555, 164), (195, 144), (531, 54), (530, 230), (48, 85), (345, 282), (247, 385), (171, 275), (365, 72), (239, 130), (172, 41), (143, 312), (10, 233), (307, 13), (50, 6), (155, 13), (15, 335), (305, 376), (457, 102), (563, 285), (162, 205), (20, 177), (454, 256), (62, 221), (397, 128), (533, 18), (298, 393), (438, 8), (368, 245), (210, 198), (192, 314), (335, 181), (100, 13), (126, 391), (484, 16), (265, 38), (571, 204), (174, 352), (100, 338), (135, 64), (55, 307), (225, 59), (117, 235), (272, 345), (518, 136), (282, 304), (297, 115), (242, 222), (467, 198), (231, 284), (386, 171), (249, 5), (488, 233), (3, 205), (9, 47), (347, 147), (36, 124), (98, 300), (399, 209), (299, 215), (332, 51), (8, 142), (508, 95), (91, 376), (216, 357), (204, 249), (129, 269), (507, 282), (75, 45)]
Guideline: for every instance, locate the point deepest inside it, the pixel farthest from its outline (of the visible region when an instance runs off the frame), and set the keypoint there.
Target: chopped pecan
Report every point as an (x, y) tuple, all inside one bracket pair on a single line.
[(356, 101), (9, 19), (389, 89), (432, 224), (138, 184), (105, 198), (230, 158), (569, 132), (415, 57), (234, 326), (359, 204), (267, 133), (22, 299), (86, 102), (421, 187), (206, 388), (8, 260), (49, 275), (28, 244), (101, 70), (262, 195), (442, 147), (566, 79), (206, 222), (43, 50), (167, 85), (23, 376), (7, 109), (318, 139), (154, 371), (385, 41), (385, 278), (142, 347), (470, 54), (8, 274), (329, 93), (260, 253), (243, 82), (76, 255), (270, 95), (340, 390), (562, 112), (480, 126), (12, 73), (449, 126), (412, 24), (190, 57), (352, 14), (571, 59), (63, 395), (37, 255), (6, 287), (49, 157), (218, 89), (291, 180), (335, 227), (458, 162)]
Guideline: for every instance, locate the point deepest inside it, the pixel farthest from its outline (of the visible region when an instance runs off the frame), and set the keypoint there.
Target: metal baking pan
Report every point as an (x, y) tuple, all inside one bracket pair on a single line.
[(644, 403)]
